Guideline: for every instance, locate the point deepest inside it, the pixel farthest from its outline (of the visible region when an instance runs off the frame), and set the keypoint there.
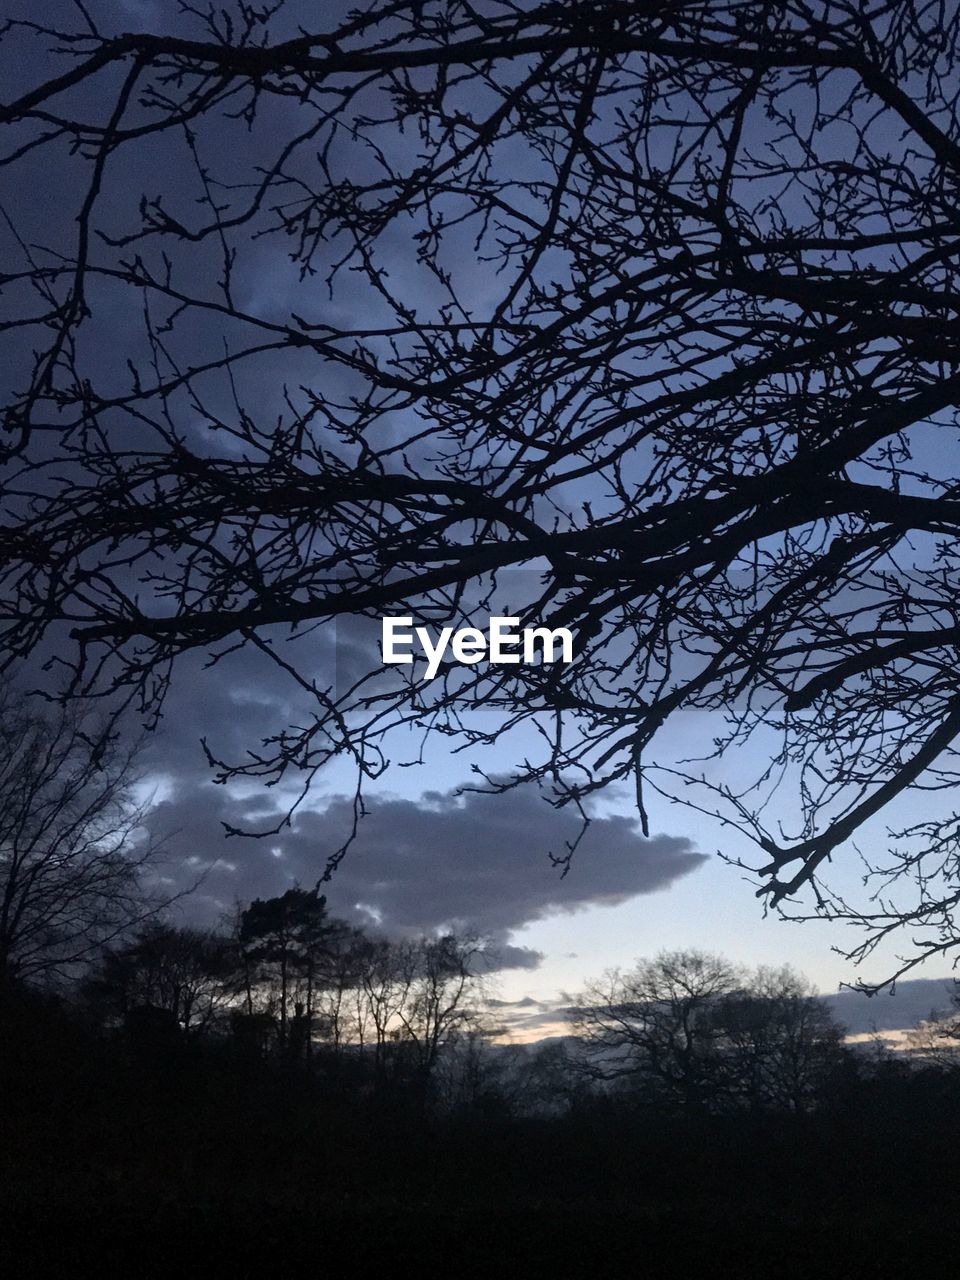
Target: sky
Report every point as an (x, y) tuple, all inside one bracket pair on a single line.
[(430, 855), (427, 857)]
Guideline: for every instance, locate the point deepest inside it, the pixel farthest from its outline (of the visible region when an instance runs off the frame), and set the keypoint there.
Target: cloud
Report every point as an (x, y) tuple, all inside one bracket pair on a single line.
[(481, 860), (896, 1010), (507, 956), (474, 861)]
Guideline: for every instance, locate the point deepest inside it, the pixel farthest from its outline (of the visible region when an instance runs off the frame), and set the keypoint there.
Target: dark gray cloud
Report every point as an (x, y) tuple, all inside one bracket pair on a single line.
[(897, 1010), (482, 859), (476, 861), (235, 704)]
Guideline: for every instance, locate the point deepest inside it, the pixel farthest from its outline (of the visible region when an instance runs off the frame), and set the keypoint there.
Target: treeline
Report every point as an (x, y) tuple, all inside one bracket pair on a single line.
[(687, 1030), (286, 985), (163, 1104), (290, 1088), (289, 984)]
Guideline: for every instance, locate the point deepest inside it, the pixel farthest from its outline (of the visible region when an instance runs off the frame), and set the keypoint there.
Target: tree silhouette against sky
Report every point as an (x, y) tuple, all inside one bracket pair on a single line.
[(658, 303)]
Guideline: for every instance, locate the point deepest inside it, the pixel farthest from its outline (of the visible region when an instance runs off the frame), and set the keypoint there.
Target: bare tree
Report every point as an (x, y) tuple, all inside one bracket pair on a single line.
[(339, 1002), (659, 301), (782, 1041), (553, 1080), (444, 980), (484, 1078), (658, 1025), (691, 1030), (384, 974), (73, 858), (188, 973)]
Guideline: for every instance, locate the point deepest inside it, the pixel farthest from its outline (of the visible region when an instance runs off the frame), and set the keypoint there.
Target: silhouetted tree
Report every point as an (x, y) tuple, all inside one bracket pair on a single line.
[(659, 1026), (288, 941), (553, 1078), (690, 1030), (73, 859), (482, 1079), (411, 1000), (338, 1005), (659, 301), (186, 972), (443, 978), (384, 975), (783, 1043)]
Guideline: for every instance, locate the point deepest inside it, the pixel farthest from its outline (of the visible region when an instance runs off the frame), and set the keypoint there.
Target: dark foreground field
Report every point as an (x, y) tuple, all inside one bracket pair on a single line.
[(110, 1163)]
